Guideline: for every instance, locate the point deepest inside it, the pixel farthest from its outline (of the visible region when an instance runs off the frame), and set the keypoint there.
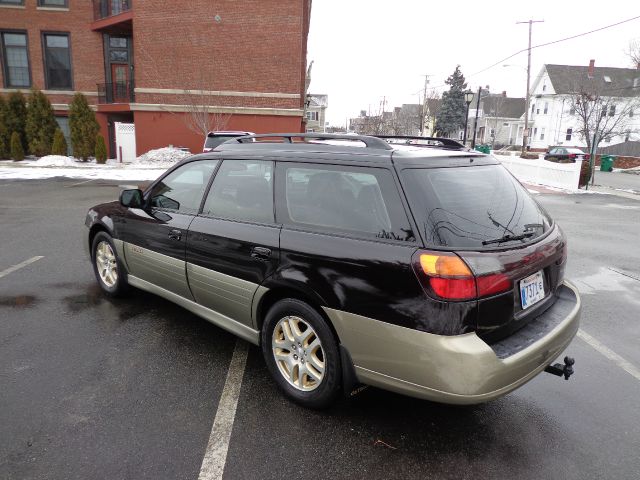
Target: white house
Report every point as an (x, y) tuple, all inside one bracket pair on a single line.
[(552, 117), (316, 112)]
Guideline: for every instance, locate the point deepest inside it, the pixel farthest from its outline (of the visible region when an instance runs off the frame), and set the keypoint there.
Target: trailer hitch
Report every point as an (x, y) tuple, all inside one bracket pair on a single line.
[(560, 370)]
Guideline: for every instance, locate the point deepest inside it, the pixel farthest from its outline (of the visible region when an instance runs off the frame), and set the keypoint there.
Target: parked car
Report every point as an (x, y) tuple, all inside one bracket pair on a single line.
[(425, 270), (565, 155), (213, 139)]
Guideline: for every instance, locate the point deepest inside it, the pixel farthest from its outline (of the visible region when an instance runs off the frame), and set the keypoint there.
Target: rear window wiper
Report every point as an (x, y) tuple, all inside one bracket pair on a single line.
[(507, 238)]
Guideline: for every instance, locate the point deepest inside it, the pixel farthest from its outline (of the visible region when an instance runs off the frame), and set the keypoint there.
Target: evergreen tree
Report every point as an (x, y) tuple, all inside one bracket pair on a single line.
[(17, 153), (41, 124), (59, 146), (84, 127), (101, 150), (451, 116), (16, 116), (4, 130)]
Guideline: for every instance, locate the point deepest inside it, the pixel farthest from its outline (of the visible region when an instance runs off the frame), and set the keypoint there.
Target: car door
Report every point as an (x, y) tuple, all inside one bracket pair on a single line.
[(551, 154), (233, 244), (155, 236)]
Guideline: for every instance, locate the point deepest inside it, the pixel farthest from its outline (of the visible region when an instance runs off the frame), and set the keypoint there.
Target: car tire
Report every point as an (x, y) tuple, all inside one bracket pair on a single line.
[(107, 266), (301, 353)]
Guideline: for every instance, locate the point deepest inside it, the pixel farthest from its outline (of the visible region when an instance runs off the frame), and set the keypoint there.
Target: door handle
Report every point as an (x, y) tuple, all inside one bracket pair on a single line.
[(175, 234), (261, 253)]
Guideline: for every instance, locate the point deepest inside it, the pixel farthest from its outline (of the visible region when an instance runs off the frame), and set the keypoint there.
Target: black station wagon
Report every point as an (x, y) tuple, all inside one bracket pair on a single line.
[(424, 269)]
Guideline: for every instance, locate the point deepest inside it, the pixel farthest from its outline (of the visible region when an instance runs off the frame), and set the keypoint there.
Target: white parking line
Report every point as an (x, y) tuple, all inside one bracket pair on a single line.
[(215, 456), (81, 183), (610, 354), (9, 270)]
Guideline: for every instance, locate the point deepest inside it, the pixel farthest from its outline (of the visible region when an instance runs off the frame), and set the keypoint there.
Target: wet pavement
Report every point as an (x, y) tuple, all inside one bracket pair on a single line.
[(92, 387)]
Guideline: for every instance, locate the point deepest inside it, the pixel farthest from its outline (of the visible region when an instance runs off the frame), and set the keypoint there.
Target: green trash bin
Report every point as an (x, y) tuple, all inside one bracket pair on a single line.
[(483, 148), (606, 163)]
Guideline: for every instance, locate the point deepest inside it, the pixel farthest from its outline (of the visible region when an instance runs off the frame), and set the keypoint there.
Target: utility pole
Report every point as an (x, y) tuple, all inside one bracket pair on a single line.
[(475, 123), (423, 123), (525, 133)]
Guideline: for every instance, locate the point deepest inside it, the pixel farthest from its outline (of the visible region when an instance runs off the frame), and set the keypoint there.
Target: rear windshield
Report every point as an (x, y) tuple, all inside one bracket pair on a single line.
[(462, 207), (214, 141)]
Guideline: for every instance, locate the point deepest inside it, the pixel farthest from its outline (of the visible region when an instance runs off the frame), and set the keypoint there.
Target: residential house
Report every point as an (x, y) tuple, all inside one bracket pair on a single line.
[(316, 112), (552, 107), (499, 120)]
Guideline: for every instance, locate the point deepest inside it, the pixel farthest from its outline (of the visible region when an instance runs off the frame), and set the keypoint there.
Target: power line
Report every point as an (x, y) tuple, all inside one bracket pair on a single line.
[(547, 44)]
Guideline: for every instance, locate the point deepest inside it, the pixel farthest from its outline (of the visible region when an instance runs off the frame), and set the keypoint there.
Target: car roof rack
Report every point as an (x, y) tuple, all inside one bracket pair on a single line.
[(437, 141), (369, 141)]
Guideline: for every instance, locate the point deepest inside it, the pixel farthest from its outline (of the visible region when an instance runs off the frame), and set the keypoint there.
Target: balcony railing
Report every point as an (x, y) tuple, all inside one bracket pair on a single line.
[(117, 92), (108, 8)]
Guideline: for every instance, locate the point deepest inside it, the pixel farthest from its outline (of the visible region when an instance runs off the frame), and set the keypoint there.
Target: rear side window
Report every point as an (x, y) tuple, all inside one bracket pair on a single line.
[(463, 207), (214, 140), (352, 200), (242, 190), (182, 189)]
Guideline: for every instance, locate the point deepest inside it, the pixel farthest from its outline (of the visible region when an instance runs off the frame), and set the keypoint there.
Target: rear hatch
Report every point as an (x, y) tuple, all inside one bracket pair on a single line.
[(513, 255)]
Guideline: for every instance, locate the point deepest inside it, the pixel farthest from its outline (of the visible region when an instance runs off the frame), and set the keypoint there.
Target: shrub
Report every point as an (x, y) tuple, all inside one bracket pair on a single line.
[(17, 153), (59, 146), (84, 127), (40, 124), (4, 130), (101, 150), (16, 116)]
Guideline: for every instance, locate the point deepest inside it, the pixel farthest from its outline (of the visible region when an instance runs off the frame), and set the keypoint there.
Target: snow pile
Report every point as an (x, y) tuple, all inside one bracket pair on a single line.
[(54, 161), (162, 156)]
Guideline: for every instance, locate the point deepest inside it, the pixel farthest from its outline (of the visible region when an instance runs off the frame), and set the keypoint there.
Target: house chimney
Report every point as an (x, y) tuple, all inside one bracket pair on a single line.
[(504, 93), (592, 64)]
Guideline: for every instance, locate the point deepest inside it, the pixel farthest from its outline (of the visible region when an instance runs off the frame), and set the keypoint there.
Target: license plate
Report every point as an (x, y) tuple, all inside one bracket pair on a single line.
[(531, 290)]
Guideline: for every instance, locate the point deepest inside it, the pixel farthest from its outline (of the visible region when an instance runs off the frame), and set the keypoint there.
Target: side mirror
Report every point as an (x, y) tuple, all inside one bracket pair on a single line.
[(131, 198)]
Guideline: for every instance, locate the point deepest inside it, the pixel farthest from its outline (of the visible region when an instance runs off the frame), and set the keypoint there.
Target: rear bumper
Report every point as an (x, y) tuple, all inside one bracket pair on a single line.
[(459, 369)]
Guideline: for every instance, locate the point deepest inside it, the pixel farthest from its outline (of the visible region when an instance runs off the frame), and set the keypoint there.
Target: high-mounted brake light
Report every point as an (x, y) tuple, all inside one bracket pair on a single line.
[(448, 277)]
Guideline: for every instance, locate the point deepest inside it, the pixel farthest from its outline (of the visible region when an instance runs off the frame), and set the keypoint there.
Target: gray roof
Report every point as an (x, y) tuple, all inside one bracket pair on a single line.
[(503, 107), (319, 99), (567, 79)]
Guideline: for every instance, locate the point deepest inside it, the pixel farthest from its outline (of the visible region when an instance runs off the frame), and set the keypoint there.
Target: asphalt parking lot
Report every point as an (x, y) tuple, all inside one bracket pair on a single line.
[(129, 389)]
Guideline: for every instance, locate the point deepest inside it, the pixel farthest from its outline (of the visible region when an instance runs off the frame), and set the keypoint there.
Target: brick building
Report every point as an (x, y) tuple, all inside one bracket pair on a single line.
[(160, 64)]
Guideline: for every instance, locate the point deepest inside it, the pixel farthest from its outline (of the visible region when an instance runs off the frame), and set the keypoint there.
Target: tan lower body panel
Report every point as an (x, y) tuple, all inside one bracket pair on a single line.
[(162, 270), (459, 369), (229, 324)]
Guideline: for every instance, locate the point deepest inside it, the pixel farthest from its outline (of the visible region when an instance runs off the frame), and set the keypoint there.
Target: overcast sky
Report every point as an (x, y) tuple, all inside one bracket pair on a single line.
[(366, 49)]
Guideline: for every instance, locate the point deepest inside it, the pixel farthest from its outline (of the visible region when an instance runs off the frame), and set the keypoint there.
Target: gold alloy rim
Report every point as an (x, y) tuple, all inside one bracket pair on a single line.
[(106, 263), (298, 353)]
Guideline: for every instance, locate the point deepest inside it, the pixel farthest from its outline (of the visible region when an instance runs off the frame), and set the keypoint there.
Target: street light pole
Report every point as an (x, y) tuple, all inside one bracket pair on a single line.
[(525, 133), (468, 98), (475, 123)]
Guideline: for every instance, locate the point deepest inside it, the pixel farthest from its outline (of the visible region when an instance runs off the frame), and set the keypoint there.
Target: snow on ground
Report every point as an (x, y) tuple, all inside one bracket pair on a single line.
[(53, 161), (166, 157)]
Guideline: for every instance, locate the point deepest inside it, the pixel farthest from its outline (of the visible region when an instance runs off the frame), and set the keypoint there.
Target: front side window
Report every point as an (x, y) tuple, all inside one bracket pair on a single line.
[(242, 190), (363, 202), (15, 59), (57, 60), (182, 190)]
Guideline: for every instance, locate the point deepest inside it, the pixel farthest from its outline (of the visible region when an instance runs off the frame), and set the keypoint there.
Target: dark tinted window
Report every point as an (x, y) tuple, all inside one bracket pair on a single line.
[(15, 59), (242, 190), (182, 189), (363, 201), (215, 140), (462, 207), (57, 59)]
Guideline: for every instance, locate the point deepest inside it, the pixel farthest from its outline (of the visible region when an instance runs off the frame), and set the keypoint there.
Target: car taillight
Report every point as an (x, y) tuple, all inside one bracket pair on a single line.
[(572, 156), (448, 277)]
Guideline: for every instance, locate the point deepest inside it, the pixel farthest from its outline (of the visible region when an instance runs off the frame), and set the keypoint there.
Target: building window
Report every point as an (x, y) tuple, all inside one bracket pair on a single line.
[(612, 110), (57, 61), (631, 112), (569, 134), (546, 107), (535, 132), (544, 87), (537, 111), (505, 124), (533, 108), (11, 2), (542, 134), (53, 3), (313, 116), (15, 59)]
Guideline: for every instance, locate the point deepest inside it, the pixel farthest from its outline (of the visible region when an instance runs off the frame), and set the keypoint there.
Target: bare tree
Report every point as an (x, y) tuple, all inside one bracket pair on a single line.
[(633, 52), (600, 113)]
